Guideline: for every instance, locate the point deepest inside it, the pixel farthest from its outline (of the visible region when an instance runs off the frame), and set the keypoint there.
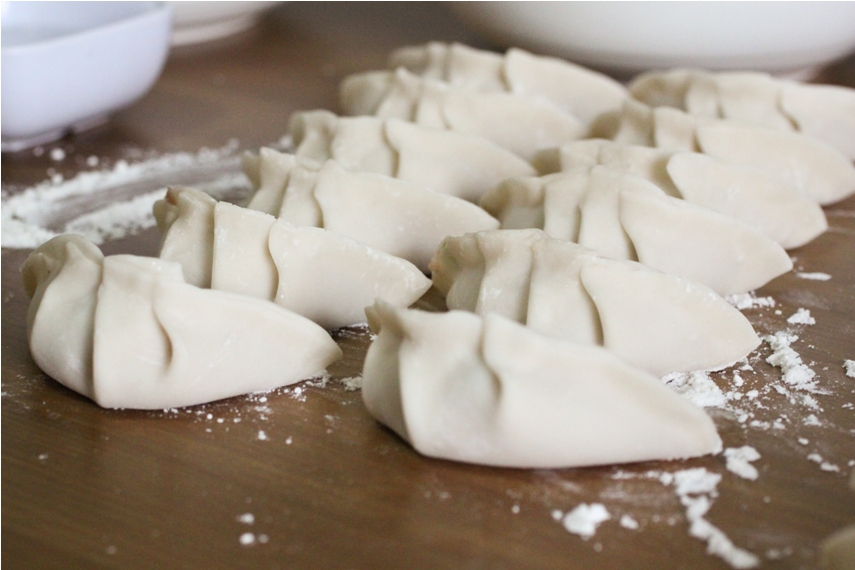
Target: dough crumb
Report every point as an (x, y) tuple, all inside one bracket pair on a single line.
[(749, 301), (816, 276), (849, 366), (801, 317), (584, 519), (739, 461), (627, 521)]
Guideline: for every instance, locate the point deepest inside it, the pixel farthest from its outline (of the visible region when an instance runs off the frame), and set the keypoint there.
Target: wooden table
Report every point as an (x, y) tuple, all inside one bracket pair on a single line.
[(85, 487)]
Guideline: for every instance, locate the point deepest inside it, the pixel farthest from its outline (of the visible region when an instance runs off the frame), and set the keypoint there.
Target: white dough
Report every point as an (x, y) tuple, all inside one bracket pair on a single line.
[(654, 320), (579, 91), (390, 215), (826, 112), (451, 163), (749, 194), (813, 167), (138, 336), (492, 392), (625, 217), (314, 272), (519, 124)]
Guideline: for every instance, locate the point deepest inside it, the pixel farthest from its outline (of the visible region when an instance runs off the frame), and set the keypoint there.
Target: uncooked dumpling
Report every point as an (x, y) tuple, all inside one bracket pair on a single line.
[(774, 206), (812, 166), (519, 124), (491, 392), (390, 215), (659, 322), (451, 163), (314, 272), (582, 92), (625, 217), (826, 112), (128, 332)]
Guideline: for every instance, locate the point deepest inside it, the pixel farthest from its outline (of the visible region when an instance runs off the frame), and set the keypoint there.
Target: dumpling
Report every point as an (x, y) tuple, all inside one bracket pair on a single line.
[(519, 124), (774, 206), (314, 272), (826, 112), (626, 217), (580, 91), (489, 391), (390, 215), (128, 332), (815, 168), (451, 163), (656, 321)]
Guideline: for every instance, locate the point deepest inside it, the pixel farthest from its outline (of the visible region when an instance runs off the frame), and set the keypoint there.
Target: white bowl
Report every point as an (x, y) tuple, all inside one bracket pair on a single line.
[(196, 22), (779, 37), (68, 65)]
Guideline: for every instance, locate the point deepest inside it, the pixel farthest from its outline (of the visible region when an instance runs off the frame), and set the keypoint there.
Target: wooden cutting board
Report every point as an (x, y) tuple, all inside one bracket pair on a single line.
[(303, 477)]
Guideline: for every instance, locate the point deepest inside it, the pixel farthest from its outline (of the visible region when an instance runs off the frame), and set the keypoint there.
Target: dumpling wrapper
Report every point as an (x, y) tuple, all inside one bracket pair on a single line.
[(519, 124), (451, 163), (654, 320), (751, 195), (491, 392), (825, 112), (625, 217), (155, 341), (397, 217), (314, 272), (578, 90), (814, 167)]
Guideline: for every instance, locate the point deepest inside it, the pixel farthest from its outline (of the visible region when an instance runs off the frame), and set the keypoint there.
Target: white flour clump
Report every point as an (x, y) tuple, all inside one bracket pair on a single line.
[(816, 276), (796, 373), (849, 366), (739, 461), (801, 317), (584, 519), (696, 489), (749, 301), (352, 383), (697, 387)]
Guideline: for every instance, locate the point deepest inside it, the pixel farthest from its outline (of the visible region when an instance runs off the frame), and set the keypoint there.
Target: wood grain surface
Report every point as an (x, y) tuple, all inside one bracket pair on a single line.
[(328, 487)]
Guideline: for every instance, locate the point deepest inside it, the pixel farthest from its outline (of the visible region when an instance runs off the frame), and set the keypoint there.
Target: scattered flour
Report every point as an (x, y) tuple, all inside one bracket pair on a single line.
[(801, 317), (696, 489), (584, 519), (849, 366), (353, 383), (739, 461), (749, 301), (627, 521), (796, 373), (697, 387), (246, 518), (114, 203), (247, 539), (816, 276)]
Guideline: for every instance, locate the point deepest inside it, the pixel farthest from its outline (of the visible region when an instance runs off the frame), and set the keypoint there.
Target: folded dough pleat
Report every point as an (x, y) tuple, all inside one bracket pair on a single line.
[(812, 166), (626, 217), (582, 92), (660, 322), (451, 163), (492, 392), (825, 112), (314, 272), (148, 340), (61, 277), (520, 124), (774, 206), (390, 215)]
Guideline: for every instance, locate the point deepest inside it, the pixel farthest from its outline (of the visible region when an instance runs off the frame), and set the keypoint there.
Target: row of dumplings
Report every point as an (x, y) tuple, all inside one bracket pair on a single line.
[(583, 241)]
